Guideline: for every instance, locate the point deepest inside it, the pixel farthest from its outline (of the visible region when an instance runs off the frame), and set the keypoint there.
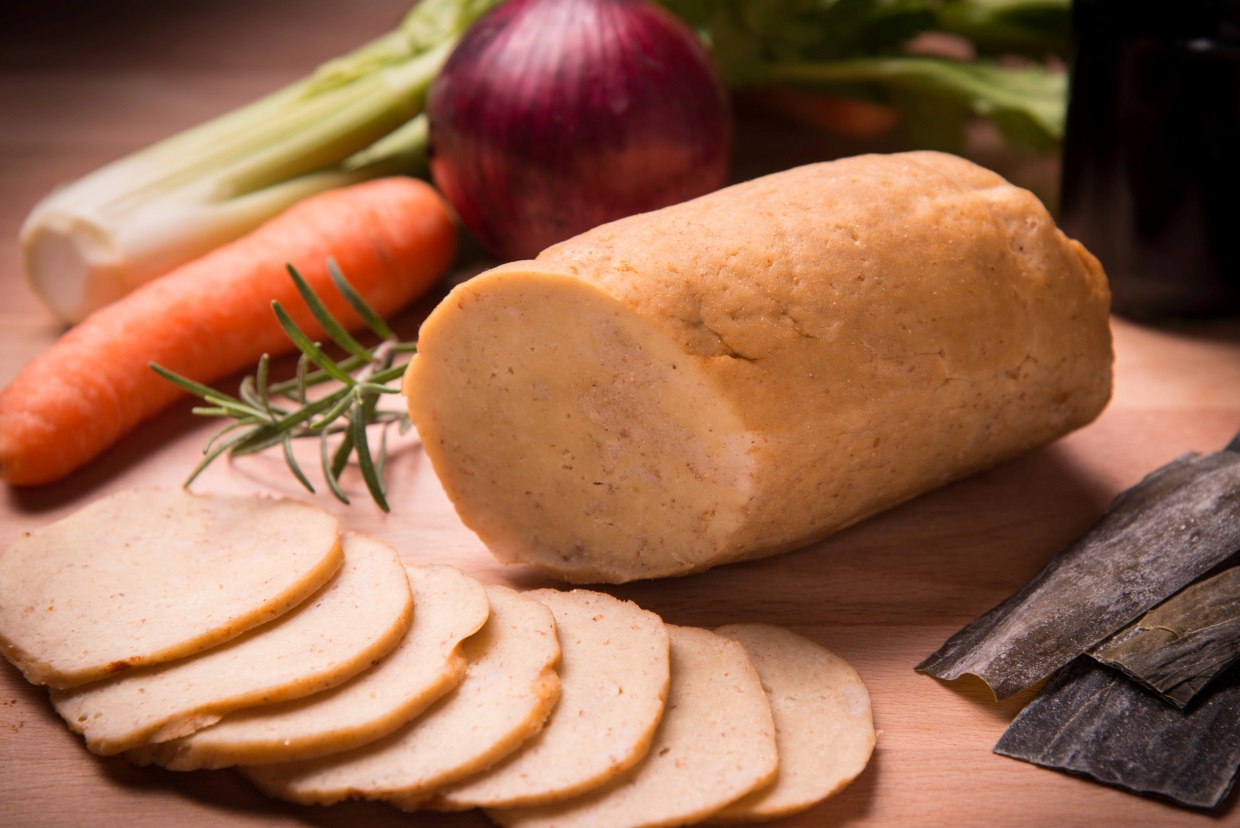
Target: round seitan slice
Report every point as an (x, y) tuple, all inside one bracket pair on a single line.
[(614, 675), (349, 624), (508, 691), (714, 744), (449, 606), (824, 727), (744, 373), (150, 575)]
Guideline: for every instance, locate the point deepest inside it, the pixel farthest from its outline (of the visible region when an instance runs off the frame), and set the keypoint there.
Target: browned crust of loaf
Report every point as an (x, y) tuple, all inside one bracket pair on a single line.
[(669, 264)]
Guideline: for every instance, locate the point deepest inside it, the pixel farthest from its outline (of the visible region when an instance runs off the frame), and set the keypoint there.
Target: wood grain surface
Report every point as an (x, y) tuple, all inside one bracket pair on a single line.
[(83, 83)]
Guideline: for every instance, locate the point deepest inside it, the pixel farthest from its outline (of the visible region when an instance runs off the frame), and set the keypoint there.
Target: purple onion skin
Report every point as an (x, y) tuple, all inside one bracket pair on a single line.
[(553, 116)]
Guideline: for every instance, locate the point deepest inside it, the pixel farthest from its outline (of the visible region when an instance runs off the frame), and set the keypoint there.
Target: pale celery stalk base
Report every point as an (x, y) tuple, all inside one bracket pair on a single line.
[(358, 117)]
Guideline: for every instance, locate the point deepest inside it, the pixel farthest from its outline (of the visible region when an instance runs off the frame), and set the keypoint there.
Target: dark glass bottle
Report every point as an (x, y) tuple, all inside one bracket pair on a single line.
[(1151, 162)]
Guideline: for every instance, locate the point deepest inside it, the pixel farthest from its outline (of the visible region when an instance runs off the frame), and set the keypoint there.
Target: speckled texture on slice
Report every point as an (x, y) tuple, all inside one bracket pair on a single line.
[(715, 743), (148, 575), (449, 606), (614, 675), (354, 620), (824, 727), (505, 698)]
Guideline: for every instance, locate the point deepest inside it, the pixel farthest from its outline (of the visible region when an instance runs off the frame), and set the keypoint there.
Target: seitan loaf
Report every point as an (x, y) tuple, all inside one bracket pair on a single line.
[(747, 372)]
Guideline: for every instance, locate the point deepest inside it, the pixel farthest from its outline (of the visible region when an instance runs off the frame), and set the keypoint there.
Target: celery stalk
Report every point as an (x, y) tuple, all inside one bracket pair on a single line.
[(98, 238)]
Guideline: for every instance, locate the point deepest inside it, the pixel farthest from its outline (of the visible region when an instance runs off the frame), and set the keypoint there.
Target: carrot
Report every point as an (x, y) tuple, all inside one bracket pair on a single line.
[(835, 114), (393, 239)]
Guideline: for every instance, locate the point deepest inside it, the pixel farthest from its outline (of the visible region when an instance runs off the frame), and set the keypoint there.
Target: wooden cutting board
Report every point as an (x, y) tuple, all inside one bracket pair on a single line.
[(81, 84)]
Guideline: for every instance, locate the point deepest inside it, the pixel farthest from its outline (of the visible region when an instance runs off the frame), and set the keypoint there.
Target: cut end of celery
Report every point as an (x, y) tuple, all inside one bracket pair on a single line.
[(73, 269)]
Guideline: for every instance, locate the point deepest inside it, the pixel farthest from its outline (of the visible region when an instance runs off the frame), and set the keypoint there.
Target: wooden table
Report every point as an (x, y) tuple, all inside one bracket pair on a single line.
[(80, 85)]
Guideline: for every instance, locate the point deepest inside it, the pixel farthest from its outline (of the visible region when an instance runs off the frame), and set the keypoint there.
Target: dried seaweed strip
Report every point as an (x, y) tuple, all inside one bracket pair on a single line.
[(1092, 720), (1156, 537), (1178, 647)]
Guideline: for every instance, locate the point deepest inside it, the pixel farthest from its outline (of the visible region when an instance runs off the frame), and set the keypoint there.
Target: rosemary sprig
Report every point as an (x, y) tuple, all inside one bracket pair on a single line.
[(267, 414)]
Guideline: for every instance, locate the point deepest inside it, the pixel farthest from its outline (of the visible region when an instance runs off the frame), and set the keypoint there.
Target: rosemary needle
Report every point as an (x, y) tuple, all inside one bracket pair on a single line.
[(266, 414)]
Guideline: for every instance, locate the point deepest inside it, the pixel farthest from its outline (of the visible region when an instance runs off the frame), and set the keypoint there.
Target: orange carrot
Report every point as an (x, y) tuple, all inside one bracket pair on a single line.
[(835, 114), (393, 239)]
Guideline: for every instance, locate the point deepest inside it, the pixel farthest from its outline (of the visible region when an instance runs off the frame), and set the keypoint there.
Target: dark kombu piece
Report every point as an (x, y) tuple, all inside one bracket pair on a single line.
[(1094, 721), (1178, 647), (1177, 524)]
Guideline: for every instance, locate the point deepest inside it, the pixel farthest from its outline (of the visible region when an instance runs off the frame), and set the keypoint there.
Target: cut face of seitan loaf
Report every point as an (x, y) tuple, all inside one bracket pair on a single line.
[(747, 372)]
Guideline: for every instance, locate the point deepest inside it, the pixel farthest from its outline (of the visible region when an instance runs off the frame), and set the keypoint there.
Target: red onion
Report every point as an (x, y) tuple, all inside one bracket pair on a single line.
[(553, 116)]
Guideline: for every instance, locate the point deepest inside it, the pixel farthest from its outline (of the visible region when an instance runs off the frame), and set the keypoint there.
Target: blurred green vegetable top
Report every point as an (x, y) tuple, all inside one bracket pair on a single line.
[(1004, 63)]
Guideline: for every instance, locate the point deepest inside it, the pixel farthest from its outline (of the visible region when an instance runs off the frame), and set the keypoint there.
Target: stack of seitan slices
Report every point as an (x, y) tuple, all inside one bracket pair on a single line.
[(145, 577), (214, 631), (427, 663)]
